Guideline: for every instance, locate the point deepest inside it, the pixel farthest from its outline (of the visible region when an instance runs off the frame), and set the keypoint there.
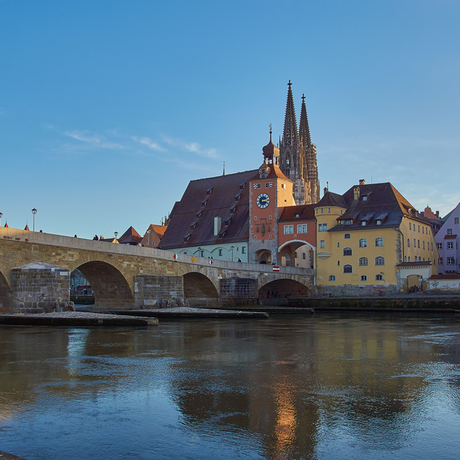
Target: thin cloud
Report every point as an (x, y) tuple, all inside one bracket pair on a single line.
[(96, 141), (192, 147), (149, 143)]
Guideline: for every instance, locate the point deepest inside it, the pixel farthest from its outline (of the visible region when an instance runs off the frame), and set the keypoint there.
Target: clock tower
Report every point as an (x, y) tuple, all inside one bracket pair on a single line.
[(269, 190)]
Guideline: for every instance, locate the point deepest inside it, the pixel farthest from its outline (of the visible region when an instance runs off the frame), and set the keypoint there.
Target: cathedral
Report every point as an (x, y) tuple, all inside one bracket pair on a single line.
[(298, 154)]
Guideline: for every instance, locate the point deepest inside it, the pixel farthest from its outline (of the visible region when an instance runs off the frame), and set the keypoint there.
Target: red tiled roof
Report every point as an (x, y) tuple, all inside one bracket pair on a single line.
[(191, 222), (305, 212), (445, 276), (130, 237), (450, 237)]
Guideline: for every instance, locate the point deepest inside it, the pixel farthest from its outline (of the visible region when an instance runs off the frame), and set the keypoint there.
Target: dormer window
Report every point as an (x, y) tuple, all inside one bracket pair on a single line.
[(364, 197), (186, 238), (232, 208), (204, 202), (209, 191), (198, 214), (297, 215)]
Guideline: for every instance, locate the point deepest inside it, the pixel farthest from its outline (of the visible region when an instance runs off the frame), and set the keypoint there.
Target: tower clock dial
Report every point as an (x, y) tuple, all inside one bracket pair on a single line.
[(263, 200)]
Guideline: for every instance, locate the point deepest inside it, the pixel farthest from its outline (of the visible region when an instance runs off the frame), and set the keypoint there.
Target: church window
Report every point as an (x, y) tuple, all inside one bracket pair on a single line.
[(363, 278), (379, 277), (302, 228), (348, 268), (288, 229), (363, 261), (347, 252), (363, 243), (379, 260), (331, 277)]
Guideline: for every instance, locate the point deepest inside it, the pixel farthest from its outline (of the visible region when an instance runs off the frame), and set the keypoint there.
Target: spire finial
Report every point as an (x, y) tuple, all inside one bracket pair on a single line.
[(223, 171), (289, 84), (303, 97), (270, 126)]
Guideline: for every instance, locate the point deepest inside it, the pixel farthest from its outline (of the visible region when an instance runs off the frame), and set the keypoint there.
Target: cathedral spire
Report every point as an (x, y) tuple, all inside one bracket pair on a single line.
[(290, 134), (304, 129)]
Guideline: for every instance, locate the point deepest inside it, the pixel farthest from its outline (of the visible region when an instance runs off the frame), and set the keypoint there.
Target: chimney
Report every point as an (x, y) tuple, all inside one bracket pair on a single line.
[(437, 214), (356, 193), (362, 182), (217, 225)]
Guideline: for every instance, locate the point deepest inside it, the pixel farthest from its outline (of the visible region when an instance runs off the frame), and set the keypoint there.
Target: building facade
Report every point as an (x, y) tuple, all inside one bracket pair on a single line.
[(372, 236), (447, 240)]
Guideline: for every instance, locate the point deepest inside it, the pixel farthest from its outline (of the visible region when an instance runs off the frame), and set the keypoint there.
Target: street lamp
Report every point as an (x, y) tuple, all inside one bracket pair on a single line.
[(34, 211), (231, 249)]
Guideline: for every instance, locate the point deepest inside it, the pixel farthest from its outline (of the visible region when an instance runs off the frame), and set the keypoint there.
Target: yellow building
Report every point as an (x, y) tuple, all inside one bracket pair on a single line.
[(372, 237)]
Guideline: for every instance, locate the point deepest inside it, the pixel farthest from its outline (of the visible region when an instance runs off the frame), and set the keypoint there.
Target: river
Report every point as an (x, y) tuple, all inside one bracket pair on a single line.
[(291, 387)]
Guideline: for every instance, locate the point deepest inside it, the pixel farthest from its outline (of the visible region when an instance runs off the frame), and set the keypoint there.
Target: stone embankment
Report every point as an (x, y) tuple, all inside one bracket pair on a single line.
[(189, 312)]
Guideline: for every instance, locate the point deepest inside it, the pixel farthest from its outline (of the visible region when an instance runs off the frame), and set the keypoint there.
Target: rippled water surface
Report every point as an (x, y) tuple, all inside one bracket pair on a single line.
[(312, 387)]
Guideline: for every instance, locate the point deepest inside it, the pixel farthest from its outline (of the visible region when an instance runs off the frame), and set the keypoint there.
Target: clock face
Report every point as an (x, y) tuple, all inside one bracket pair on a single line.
[(263, 200)]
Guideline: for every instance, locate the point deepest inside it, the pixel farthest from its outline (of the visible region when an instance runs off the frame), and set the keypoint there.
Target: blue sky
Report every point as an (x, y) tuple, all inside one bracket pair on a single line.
[(109, 108)]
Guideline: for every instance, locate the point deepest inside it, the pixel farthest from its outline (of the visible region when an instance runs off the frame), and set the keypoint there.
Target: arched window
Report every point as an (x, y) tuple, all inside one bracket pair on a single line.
[(347, 236), (379, 241), (363, 261), (379, 260), (363, 243), (347, 268), (363, 278), (378, 277), (347, 252)]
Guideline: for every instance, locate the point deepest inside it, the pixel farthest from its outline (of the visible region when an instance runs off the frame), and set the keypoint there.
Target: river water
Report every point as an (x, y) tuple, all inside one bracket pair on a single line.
[(290, 387)]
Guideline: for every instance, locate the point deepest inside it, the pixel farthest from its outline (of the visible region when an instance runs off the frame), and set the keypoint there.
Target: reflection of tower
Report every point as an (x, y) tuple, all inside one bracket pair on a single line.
[(298, 154)]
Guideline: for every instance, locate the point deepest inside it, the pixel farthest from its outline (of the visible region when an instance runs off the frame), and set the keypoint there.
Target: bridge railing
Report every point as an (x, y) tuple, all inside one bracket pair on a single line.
[(49, 239)]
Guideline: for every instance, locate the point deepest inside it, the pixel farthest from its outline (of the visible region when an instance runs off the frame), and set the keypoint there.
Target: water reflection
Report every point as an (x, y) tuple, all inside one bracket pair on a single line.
[(305, 387)]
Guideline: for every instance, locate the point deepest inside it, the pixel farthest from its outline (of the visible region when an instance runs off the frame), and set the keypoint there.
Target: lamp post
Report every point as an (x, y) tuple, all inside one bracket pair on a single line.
[(231, 249), (34, 211)]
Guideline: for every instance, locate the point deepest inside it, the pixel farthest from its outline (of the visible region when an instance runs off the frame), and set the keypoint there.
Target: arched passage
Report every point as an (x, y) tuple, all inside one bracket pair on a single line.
[(199, 290), (263, 256), (111, 290), (6, 297), (296, 253), (280, 289)]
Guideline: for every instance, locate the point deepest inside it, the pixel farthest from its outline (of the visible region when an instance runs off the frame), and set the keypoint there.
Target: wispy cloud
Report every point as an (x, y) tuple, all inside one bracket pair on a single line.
[(94, 140), (149, 143), (193, 147)]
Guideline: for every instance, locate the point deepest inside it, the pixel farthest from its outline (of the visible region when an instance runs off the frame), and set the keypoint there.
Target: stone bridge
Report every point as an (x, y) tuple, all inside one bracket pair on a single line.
[(35, 273)]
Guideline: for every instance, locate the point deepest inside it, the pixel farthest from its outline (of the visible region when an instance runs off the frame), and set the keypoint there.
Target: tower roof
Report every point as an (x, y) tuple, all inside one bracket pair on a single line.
[(271, 152), (290, 133), (304, 129)]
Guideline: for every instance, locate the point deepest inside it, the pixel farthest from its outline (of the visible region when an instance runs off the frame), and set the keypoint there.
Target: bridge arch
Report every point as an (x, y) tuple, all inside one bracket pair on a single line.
[(199, 289), (110, 287), (284, 289)]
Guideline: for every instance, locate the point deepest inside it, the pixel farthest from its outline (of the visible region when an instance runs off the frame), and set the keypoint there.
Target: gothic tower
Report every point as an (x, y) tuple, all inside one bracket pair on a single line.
[(298, 154)]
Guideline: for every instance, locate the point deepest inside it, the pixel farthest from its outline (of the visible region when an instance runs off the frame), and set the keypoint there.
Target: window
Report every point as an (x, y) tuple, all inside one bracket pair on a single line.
[(257, 185), (220, 252), (415, 243), (347, 236), (439, 245), (424, 245), (304, 256), (329, 210), (456, 221), (379, 242), (378, 222), (440, 261), (423, 230), (378, 277), (450, 245), (302, 228), (363, 243), (363, 223), (288, 229), (419, 228), (418, 244), (379, 260), (338, 244), (347, 252), (450, 261), (322, 227), (410, 226), (415, 259), (322, 244), (408, 242), (363, 278), (449, 231), (338, 263), (331, 277), (363, 261), (347, 268), (243, 250)]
